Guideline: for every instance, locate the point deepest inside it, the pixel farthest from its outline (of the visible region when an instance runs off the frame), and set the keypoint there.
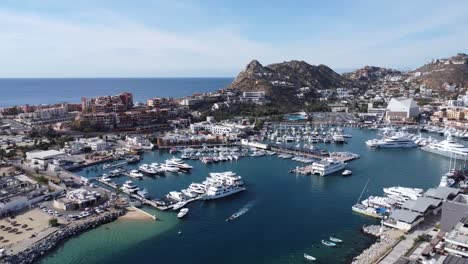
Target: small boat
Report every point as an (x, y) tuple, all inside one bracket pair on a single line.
[(346, 173), (328, 243), (182, 212), (179, 233), (334, 239), (309, 257)]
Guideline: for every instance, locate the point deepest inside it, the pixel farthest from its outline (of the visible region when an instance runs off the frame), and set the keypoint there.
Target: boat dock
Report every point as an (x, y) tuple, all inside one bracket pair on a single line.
[(342, 156), (144, 212), (145, 201)]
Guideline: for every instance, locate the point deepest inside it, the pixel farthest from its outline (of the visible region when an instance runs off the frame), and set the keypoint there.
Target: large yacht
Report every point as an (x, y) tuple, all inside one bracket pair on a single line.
[(327, 166), (448, 148), (395, 141), (403, 193), (338, 136), (222, 184), (174, 162), (129, 187)]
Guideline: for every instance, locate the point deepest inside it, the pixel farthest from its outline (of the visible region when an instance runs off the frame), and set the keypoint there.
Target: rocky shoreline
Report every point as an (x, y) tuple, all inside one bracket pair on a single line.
[(40, 248), (378, 249)]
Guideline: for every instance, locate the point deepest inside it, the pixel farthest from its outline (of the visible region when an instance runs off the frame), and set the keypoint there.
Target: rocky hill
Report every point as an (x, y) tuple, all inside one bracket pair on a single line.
[(371, 73), (292, 74), (438, 72)]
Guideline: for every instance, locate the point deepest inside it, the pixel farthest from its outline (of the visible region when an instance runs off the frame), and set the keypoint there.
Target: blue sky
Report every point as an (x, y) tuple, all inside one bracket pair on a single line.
[(164, 38)]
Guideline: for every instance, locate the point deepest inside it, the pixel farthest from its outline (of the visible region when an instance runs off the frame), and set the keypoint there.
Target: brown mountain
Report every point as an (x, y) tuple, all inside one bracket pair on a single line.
[(371, 73), (453, 70), (292, 74)]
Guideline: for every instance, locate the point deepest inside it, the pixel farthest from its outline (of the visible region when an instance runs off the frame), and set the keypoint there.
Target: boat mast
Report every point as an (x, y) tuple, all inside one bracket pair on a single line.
[(365, 186)]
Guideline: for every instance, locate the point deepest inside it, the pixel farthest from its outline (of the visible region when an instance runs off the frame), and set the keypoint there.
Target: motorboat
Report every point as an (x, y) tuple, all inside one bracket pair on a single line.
[(129, 187), (182, 212), (328, 243), (135, 174), (346, 173), (327, 166), (143, 193), (448, 148), (309, 257), (399, 140), (334, 239)]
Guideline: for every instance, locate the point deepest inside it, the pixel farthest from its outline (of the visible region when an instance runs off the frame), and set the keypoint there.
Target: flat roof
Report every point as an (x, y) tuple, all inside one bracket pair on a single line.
[(422, 204), (441, 192), (44, 154), (405, 215), (453, 259)]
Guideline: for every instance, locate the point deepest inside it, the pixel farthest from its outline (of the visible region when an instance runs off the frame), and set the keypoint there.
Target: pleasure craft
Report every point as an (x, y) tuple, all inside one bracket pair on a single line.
[(222, 190), (135, 174), (328, 243), (129, 187), (366, 210), (334, 239), (448, 148), (327, 166), (404, 192), (143, 193), (309, 257), (346, 173), (177, 196), (182, 212), (178, 163), (145, 168), (395, 141), (197, 188), (169, 168), (179, 205), (189, 193)]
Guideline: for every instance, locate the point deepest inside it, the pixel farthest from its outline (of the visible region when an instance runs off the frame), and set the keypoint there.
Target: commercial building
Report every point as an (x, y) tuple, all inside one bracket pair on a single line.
[(77, 199), (40, 159), (254, 97), (456, 241), (401, 109), (403, 219), (453, 211)]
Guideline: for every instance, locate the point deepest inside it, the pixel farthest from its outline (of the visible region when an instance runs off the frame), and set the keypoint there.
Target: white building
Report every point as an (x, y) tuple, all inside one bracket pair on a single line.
[(255, 97), (40, 159), (402, 109), (139, 142)]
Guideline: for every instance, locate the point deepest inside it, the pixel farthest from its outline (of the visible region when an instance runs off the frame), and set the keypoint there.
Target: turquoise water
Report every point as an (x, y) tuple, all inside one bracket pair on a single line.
[(290, 216)]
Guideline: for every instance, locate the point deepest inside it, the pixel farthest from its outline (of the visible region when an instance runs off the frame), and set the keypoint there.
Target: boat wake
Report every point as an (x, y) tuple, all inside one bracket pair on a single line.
[(242, 211)]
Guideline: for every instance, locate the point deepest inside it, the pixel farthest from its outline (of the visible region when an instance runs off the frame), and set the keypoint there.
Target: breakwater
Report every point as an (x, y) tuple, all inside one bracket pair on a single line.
[(385, 242), (43, 246)]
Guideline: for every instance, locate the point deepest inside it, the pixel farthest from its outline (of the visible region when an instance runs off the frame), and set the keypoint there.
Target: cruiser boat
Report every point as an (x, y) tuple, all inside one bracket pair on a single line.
[(189, 193), (327, 166), (135, 174), (179, 205), (309, 257), (403, 192), (222, 184), (178, 163), (379, 202), (145, 168), (143, 193), (182, 212), (197, 188), (338, 136), (129, 187), (169, 168), (178, 196), (328, 243), (334, 239), (448, 148), (365, 210), (395, 141), (346, 173)]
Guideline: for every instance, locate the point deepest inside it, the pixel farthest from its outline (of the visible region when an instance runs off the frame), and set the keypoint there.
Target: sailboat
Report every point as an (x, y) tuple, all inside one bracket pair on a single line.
[(362, 209)]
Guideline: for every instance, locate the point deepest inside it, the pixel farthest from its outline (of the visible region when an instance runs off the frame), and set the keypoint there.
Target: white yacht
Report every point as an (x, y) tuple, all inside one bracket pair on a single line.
[(135, 174), (222, 190), (178, 196), (169, 168), (379, 201), (129, 187), (197, 188), (405, 193), (174, 162), (143, 193), (395, 141), (222, 184), (327, 166), (145, 168), (182, 212), (448, 148), (338, 136)]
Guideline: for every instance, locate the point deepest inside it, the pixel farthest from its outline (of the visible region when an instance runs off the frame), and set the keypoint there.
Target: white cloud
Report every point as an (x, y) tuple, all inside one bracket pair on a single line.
[(33, 46)]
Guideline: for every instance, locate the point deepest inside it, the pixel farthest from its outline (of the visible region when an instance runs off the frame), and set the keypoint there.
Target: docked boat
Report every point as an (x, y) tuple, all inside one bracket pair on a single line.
[(177, 196), (174, 162), (135, 174), (179, 205), (147, 169), (182, 212), (346, 173), (143, 193), (223, 184), (169, 168), (338, 136), (403, 192), (395, 141), (309, 257), (448, 148), (327, 166), (129, 187), (334, 239), (328, 243)]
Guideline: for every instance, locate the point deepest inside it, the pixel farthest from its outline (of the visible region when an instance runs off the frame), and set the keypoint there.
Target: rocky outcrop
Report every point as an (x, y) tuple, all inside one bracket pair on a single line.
[(43, 246), (440, 72), (292, 74), (371, 73)]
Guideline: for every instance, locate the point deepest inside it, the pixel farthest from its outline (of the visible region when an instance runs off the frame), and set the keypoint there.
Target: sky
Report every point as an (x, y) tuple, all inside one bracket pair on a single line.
[(209, 38)]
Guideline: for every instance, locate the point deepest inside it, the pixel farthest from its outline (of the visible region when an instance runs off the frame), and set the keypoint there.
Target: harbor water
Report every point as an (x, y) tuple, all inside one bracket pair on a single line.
[(289, 214)]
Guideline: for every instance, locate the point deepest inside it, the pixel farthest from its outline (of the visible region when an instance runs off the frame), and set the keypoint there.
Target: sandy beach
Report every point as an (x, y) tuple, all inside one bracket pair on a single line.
[(135, 214)]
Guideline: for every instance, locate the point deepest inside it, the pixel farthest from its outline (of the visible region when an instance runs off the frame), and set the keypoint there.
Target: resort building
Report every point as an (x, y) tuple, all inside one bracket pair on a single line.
[(401, 109), (76, 199), (138, 141), (255, 97)]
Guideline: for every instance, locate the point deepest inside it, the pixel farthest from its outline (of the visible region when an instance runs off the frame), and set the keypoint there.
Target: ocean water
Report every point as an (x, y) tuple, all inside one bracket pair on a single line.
[(46, 91), (290, 215)]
